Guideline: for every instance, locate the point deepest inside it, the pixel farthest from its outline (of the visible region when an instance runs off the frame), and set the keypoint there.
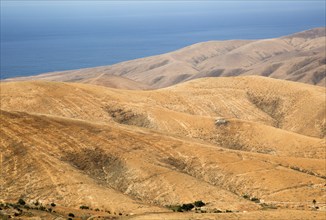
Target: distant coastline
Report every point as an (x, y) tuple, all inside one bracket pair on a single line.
[(32, 44)]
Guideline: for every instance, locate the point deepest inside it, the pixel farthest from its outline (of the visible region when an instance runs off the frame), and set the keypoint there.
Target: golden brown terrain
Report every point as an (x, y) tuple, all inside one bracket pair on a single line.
[(137, 153), (300, 57)]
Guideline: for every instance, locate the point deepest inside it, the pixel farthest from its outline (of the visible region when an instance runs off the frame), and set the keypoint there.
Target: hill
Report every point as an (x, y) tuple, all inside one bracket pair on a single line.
[(299, 57), (294, 107), (78, 144), (77, 163)]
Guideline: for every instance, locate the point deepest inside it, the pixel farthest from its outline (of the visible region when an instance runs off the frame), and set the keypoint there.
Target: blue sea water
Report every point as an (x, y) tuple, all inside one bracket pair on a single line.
[(45, 36)]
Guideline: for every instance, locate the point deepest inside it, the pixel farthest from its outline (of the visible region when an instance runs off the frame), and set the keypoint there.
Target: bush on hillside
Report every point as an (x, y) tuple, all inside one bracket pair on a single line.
[(254, 199), (199, 203), (84, 207), (21, 202), (187, 207)]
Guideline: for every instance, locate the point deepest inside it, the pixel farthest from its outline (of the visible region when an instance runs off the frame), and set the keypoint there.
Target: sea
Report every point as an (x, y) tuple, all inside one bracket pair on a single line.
[(46, 36)]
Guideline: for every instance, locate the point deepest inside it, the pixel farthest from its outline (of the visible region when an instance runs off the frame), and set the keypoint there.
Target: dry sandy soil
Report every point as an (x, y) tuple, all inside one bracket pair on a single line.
[(299, 57), (137, 152)]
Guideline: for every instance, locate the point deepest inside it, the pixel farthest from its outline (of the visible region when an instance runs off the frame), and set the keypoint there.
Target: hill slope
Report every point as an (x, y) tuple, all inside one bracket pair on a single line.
[(299, 57), (75, 162), (290, 106), (140, 152)]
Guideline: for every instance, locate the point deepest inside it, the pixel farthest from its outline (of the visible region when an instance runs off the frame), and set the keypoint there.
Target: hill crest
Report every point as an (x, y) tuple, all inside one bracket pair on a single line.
[(299, 57)]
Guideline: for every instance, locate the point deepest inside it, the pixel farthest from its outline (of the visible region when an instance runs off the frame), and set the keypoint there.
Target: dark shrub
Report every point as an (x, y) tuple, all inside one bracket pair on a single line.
[(246, 196), (314, 202), (21, 202), (199, 203), (84, 207), (53, 204), (254, 199), (71, 215), (187, 207)]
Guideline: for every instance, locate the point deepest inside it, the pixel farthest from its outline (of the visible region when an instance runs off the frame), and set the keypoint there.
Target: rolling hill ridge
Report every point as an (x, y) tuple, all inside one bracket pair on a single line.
[(146, 150), (299, 57)]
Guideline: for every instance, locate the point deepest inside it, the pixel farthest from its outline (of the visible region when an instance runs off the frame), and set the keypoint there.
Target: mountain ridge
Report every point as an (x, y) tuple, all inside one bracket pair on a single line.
[(297, 57)]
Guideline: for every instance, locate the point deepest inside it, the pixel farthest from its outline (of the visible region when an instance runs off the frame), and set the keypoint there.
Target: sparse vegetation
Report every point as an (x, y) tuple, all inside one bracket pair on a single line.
[(254, 199), (217, 211), (42, 208), (245, 196), (199, 203), (187, 206), (127, 116), (314, 202), (84, 207), (21, 202), (178, 209)]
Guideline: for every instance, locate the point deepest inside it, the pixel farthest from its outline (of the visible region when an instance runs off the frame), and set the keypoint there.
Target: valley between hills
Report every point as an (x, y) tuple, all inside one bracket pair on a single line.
[(235, 129)]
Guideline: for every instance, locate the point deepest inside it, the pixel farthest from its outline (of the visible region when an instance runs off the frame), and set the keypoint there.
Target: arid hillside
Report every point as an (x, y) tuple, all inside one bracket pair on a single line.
[(249, 146), (299, 57), (187, 109)]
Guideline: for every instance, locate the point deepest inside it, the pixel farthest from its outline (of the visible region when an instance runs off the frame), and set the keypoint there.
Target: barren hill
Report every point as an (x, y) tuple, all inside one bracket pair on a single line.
[(294, 107), (74, 162), (79, 144), (299, 57)]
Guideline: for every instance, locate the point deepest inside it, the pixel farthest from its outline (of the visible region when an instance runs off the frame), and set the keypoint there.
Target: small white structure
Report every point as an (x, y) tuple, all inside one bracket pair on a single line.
[(221, 121)]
